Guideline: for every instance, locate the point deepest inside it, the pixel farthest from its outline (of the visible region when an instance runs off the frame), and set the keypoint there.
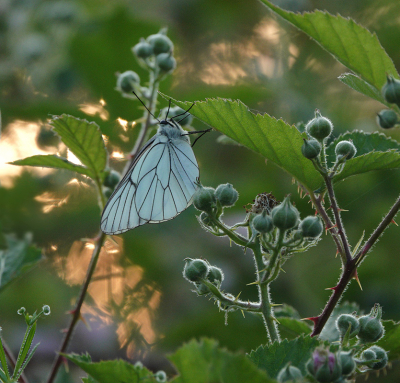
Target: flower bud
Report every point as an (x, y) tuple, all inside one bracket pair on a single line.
[(143, 50), (324, 366), (112, 179), (215, 275), (319, 127), (347, 362), (344, 321), (202, 289), (204, 199), (226, 195), (311, 227), (205, 218), (311, 149), (46, 310), (184, 117), (371, 328), (166, 62), (345, 149), (108, 192), (375, 352), (21, 311), (128, 81), (289, 374), (285, 216), (391, 90), (160, 376), (160, 43), (387, 118), (195, 269), (262, 223)]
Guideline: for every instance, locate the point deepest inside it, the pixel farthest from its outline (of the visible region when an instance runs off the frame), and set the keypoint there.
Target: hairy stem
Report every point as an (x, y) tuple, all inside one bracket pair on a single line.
[(237, 238), (12, 361)]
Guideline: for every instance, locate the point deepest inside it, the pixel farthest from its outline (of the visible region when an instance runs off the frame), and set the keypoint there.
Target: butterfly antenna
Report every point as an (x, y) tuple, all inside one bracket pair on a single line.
[(169, 107), (186, 111), (145, 106)]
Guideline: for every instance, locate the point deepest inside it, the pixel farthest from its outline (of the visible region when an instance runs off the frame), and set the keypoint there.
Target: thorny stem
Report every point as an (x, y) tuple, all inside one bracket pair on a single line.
[(12, 361), (76, 313)]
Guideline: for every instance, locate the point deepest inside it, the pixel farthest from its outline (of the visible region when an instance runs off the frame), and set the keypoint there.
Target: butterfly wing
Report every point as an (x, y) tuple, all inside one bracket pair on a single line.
[(157, 187)]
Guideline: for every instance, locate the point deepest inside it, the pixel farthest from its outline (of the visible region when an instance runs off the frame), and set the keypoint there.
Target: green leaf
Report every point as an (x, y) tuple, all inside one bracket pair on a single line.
[(330, 332), (53, 161), (112, 371), (84, 139), (23, 351), (349, 43), (273, 139), (203, 362), (290, 328), (19, 257), (3, 361), (272, 358), (391, 339)]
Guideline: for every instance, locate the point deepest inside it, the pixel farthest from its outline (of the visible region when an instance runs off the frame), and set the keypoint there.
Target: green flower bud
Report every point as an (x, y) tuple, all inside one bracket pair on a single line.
[(195, 269), (347, 362), (46, 310), (215, 275), (391, 90), (371, 328), (204, 199), (160, 376), (226, 195), (344, 321), (205, 218), (368, 355), (345, 149), (128, 81), (311, 149), (263, 223), (160, 43), (21, 311), (202, 289), (142, 50), (298, 235), (311, 227), (289, 374), (285, 216), (166, 62), (387, 118), (112, 179), (319, 127), (378, 353), (324, 366), (108, 192)]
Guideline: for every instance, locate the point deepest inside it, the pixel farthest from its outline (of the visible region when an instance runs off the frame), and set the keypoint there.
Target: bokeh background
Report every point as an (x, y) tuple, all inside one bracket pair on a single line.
[(62, 56)]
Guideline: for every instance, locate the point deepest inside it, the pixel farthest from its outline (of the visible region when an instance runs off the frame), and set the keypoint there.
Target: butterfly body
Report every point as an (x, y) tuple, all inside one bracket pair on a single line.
[(159, 184)]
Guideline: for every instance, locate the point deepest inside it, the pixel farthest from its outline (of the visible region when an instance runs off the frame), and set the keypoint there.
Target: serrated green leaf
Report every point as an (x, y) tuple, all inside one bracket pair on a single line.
[(330, 332), (391, 339), (203, 362), (273, 139), (272, 358), (53, 161), (17, 259), (112, 371), (84, 139), (349, 43), (290, 328)]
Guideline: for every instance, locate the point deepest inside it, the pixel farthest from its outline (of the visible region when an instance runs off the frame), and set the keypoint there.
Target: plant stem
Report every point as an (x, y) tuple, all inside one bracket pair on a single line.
[(238, 239), (76, 313), (12, 361)]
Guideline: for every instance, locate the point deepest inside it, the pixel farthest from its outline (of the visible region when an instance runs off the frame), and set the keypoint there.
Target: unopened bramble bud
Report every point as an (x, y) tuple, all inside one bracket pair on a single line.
[(202, 289), (160, 376), (345, 149), (128, 81), (112, 179), (391, 90), (263, 223), (344, 321), (311, 227), (319, 127), (387, 118), (347, 362), (324, 366), (160, 43), (195, 269), (371, 328), (143, 50), (289, 374), (226, 195), (204, 199), (375, 352), (215, 275), (285, 216), (311, 149), (166, 62)]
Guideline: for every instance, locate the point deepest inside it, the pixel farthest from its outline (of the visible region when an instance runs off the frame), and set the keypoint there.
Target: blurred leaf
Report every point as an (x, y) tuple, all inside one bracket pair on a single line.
[(53, 161), (112, 371), (274, 139), (19, 258), (290, 328), (330, 332), (225, 140), (272, 358), (391, 340), (84, 139), (201, 362), (350, 43)]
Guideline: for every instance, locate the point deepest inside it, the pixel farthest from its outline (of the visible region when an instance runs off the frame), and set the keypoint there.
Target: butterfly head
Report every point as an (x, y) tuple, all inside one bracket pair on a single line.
[(171, 129)]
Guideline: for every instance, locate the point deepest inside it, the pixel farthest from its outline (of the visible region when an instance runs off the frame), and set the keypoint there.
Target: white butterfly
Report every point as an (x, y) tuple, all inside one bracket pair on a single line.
[(159, 184)]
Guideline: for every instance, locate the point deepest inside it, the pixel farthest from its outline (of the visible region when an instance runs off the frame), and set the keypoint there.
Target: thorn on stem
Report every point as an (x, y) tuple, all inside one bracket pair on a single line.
[(313, 319), (393, 221)]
